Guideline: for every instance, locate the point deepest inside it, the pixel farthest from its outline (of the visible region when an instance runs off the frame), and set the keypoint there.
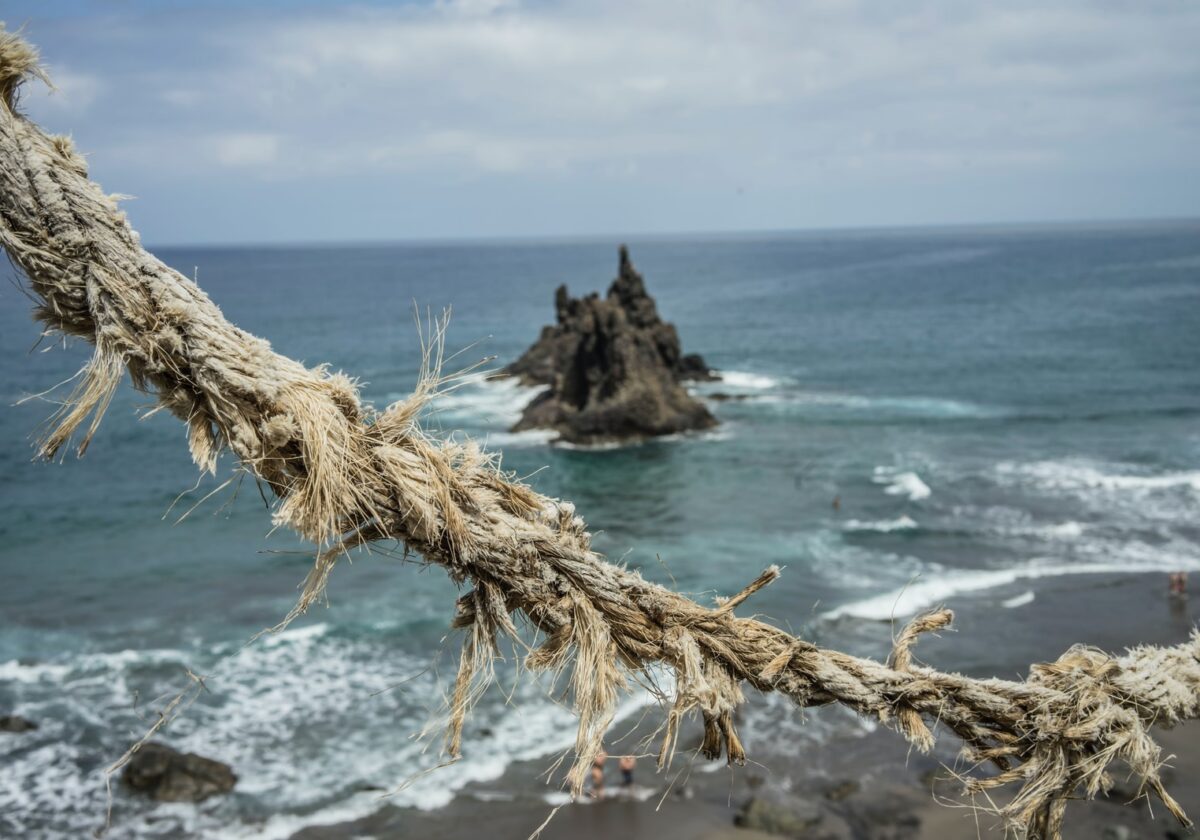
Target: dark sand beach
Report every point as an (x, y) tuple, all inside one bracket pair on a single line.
[(870, 786)]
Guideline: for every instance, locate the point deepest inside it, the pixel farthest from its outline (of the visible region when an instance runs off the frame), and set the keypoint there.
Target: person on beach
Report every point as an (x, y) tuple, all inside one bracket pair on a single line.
[(598, 774), (1177, 584), (627, 764)]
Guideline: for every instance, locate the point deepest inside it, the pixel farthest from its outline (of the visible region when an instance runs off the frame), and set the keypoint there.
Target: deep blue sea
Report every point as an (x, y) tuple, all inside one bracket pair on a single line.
[(995, 410)]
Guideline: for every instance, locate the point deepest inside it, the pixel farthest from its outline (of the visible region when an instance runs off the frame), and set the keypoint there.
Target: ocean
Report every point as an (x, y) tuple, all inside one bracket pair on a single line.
[(996, 411)]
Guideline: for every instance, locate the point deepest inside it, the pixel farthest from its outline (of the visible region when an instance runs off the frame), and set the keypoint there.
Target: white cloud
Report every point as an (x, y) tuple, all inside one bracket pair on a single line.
[(781, 97), (73, 92), (245, 149), (496, 153), (500, 87)]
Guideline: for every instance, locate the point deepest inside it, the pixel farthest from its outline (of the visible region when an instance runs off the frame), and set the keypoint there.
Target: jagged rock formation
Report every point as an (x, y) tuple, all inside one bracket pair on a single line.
[(557, 344), (613, 368)]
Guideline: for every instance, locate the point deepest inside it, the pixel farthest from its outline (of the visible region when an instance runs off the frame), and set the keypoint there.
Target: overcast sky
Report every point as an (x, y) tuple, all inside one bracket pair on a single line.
[(287, 121)]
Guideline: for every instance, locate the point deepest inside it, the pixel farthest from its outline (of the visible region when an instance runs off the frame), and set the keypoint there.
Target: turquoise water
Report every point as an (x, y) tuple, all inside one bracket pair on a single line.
[(993, 409)]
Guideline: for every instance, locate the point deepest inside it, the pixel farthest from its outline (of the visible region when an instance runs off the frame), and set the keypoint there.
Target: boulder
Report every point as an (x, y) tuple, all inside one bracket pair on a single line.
[(775, 811), (167, 775), (16, 724), (613, 368), (885, 813)]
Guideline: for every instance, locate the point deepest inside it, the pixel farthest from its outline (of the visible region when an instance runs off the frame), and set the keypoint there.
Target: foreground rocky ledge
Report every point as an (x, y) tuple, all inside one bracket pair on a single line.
[(613, 368)]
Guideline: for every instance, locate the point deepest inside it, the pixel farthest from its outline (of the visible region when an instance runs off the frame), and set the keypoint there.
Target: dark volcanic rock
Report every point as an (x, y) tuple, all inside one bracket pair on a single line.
[(774, 811), (168, 775), (557, 345), (888, 813), (613, 368), (845, 811), (16, 723)]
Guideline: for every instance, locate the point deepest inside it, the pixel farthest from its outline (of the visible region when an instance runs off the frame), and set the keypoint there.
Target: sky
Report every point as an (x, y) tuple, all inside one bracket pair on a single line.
[(298, 121)]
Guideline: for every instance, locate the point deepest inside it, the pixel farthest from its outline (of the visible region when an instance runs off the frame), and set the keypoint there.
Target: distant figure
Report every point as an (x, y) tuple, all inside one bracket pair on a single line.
[(627, 764), (1177, 584), (598, 774), (837, 502)]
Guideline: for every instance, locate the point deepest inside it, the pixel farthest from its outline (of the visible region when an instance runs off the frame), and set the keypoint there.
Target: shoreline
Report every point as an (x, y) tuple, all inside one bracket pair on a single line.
[(871, 785)]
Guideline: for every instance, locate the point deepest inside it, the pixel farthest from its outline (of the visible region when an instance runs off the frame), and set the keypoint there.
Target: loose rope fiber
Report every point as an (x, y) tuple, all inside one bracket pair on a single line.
[(345, 475)]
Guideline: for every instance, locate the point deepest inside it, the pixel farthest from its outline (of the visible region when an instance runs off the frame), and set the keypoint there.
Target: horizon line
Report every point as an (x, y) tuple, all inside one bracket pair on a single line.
[(728, 233)]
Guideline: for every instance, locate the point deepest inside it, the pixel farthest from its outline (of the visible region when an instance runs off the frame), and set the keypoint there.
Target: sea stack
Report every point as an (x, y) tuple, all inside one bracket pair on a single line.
[(613, 368)]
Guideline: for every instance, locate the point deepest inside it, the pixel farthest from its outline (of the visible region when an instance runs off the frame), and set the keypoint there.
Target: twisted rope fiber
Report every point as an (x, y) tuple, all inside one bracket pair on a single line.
[(346, 475)]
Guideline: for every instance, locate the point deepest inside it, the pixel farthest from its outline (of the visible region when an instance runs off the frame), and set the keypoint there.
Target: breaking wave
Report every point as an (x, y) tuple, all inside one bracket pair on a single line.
[(1079, 476), (898, 483), (881, 526), (744, 381), (482, 402), (921, 594)]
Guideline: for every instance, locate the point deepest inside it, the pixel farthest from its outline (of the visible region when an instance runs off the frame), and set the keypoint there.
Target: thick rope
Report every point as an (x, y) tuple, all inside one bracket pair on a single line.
[(345, 476)]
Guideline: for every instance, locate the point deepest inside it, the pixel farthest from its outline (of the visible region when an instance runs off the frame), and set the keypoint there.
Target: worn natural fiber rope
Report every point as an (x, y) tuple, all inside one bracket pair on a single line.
[(345, 476)]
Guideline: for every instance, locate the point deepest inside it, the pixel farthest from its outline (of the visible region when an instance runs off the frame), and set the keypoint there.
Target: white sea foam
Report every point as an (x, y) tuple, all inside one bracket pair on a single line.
[(855, 405), (1005, 522), (521, 440), (490, 402), (498, 403), (882, 526), (1075, 475), (1026, 597), (48, 776), (103, 671), (722, 432), (744, 380), (1126, 494), (606, 446), (282, 826), (528, 730), (844, 565), (902, 483), (771, 725), (292, 635), (1060, 531), (15, 671), (909, 484), (924, 593), (932, 407), (916, 596)]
